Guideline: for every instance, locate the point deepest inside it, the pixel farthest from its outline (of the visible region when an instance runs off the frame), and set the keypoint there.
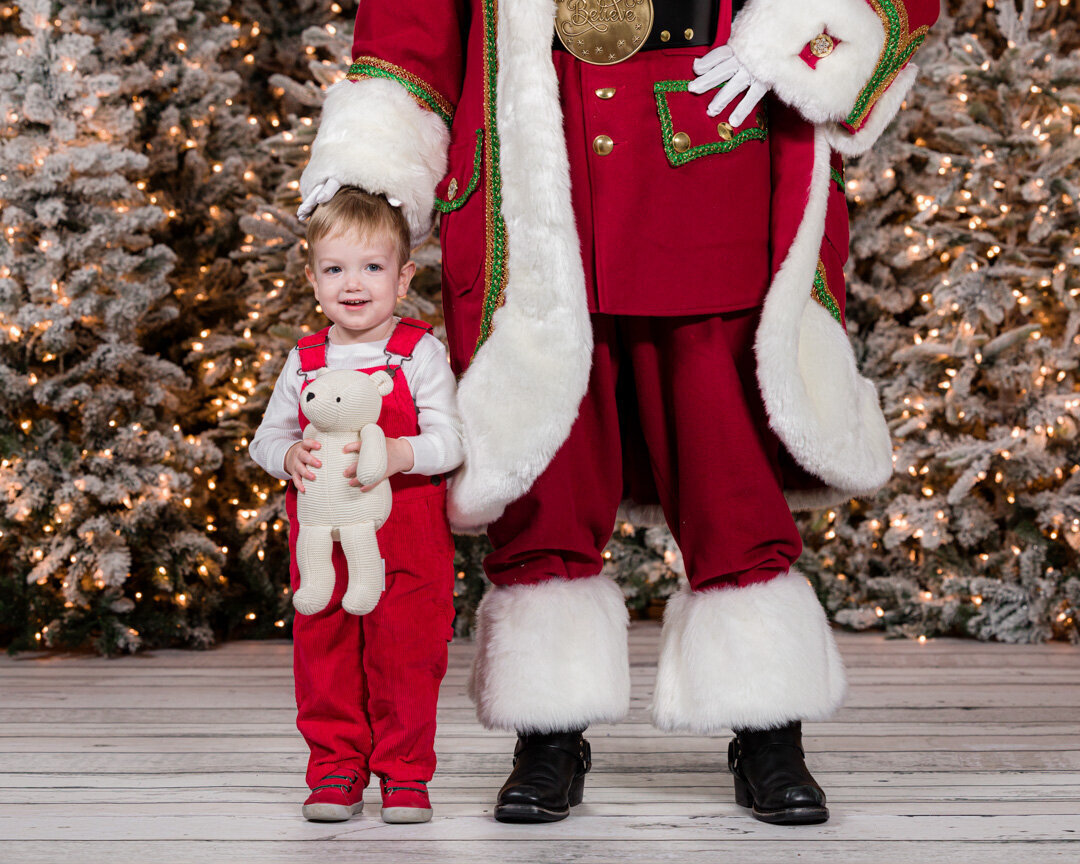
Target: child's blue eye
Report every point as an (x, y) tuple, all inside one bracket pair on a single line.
[(333, 268), (374, 268)]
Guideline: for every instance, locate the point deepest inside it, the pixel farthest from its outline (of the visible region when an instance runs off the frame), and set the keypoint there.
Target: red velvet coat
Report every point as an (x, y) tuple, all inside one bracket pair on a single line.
[(458, 105)]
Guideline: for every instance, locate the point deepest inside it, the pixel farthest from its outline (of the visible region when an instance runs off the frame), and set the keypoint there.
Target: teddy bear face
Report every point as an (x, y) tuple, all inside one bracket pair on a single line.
[(343, 400)]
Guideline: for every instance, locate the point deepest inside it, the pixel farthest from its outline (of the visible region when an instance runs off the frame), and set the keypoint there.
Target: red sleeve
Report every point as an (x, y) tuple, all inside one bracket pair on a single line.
[(418, 43)]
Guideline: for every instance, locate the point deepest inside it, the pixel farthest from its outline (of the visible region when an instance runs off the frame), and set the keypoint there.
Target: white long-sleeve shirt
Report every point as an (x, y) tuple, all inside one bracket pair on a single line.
[(436, 450)]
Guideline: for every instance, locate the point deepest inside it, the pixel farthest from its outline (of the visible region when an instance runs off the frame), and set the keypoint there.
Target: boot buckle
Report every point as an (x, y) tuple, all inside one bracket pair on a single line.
[(585, 754)]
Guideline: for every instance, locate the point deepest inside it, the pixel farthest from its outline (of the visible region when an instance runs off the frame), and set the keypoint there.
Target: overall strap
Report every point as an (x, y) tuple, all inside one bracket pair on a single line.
[(312, 351), (406, 336)]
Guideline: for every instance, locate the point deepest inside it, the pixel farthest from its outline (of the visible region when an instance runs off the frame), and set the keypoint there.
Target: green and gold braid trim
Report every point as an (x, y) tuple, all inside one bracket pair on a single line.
[(457, 197), (667, 128), (895, 53), (495, 260), (838, 178), (425, 95), (821, 293)]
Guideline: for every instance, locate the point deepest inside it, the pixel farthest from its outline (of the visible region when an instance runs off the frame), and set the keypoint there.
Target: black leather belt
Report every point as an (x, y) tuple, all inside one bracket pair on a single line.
[(677, 18), (679, 24)]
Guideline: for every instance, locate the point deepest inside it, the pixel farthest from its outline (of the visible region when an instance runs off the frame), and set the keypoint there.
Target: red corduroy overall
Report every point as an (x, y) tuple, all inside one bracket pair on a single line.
[(367, 686)]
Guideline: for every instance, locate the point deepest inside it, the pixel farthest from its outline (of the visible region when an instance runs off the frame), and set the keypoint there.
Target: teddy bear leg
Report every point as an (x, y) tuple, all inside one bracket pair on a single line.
[(314, 548), (367, 572)]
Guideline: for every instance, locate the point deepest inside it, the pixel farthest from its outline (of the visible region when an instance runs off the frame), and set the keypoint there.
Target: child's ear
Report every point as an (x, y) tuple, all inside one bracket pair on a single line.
[(408, 270), (311, 279)]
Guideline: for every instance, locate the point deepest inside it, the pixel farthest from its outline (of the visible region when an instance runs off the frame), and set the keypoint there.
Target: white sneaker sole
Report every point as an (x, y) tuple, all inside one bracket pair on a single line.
[(406, 815), (331, 812)]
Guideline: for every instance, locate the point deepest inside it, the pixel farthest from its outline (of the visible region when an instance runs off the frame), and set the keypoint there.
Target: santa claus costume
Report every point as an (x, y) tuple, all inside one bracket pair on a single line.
[(646, 304)]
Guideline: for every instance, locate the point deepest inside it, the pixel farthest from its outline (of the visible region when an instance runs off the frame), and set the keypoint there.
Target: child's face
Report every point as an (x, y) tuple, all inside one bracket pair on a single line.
[(357, 282)]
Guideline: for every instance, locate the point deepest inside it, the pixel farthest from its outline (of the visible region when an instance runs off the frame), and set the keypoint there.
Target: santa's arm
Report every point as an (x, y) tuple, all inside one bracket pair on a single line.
[(841, 63), (386, 128)]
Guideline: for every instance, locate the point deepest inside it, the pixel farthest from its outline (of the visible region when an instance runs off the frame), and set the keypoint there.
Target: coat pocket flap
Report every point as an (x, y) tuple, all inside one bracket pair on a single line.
[(466, 163), (689, 132)]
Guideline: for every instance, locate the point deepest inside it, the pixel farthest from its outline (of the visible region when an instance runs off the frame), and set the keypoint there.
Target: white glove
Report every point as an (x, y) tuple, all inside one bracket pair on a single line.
[(721, 68), (320, 194)]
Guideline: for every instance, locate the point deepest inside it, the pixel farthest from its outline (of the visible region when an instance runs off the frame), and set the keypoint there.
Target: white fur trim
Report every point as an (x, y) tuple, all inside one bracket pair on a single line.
[(746, 658), (882, 114), (521, 393), (373, 135), (825, 412), (769, 35), (551, 656)]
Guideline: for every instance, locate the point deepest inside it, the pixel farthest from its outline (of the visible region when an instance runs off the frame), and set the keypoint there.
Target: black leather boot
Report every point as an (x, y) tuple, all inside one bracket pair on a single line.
[(772, 778), (548, 778)]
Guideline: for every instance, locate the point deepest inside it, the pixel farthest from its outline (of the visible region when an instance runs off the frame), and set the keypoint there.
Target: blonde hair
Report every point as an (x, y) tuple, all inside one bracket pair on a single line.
[(353, 209)]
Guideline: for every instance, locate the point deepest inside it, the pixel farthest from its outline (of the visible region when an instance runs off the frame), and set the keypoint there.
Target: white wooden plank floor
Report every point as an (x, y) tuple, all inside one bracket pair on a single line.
[(952, 751)]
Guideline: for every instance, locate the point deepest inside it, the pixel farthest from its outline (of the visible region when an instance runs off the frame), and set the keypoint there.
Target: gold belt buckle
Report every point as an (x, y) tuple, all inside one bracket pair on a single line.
[(603, 32)]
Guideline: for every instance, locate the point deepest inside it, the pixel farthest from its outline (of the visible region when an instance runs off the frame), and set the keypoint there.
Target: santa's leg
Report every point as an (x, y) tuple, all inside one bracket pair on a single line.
[(551, 634), (748, 646)]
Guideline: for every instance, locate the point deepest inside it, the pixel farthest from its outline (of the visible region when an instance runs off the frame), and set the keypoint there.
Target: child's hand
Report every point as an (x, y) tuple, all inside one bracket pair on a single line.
[(399, 457), (299, 458)]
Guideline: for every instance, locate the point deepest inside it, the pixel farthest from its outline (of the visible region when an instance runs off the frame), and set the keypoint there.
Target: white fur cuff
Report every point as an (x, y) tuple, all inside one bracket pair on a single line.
[(551, 656), (769, 35), (374, 135), (842, 141), (748, 658)]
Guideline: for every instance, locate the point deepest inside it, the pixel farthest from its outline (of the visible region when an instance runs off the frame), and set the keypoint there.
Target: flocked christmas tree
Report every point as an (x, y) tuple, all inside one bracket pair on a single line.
[(152, 278), (966, 276), (99, 537)]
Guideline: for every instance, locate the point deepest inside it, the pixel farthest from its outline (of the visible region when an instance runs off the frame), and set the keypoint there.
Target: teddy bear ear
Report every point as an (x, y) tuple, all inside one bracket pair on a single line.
[(320, 372), (383, 382)]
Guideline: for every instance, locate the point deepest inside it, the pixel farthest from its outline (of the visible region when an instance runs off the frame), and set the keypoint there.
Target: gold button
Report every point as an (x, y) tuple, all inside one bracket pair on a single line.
[(664, 36), (605, 92), (688, 33), (451, 190), (822, 45), (681, 142), (725, 131), (603, 145)]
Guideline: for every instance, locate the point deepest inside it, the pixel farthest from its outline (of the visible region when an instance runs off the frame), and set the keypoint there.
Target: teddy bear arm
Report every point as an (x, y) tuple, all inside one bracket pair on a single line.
[(371, 464)]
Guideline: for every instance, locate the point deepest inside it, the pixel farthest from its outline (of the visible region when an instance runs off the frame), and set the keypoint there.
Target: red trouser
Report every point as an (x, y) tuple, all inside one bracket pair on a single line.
[(367, 686), (672, 410)]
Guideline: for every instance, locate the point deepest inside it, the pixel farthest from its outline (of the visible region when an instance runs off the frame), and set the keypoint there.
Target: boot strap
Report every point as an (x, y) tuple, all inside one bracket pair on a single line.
[(583, 753), (735, 752)]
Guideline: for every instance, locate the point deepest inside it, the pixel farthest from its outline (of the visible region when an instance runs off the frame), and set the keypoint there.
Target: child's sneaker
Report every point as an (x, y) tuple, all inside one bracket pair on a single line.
[(404, 801), (337, 798)]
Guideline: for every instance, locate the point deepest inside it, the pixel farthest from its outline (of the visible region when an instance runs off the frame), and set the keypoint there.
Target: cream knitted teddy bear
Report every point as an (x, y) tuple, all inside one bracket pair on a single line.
[(341, 405)]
